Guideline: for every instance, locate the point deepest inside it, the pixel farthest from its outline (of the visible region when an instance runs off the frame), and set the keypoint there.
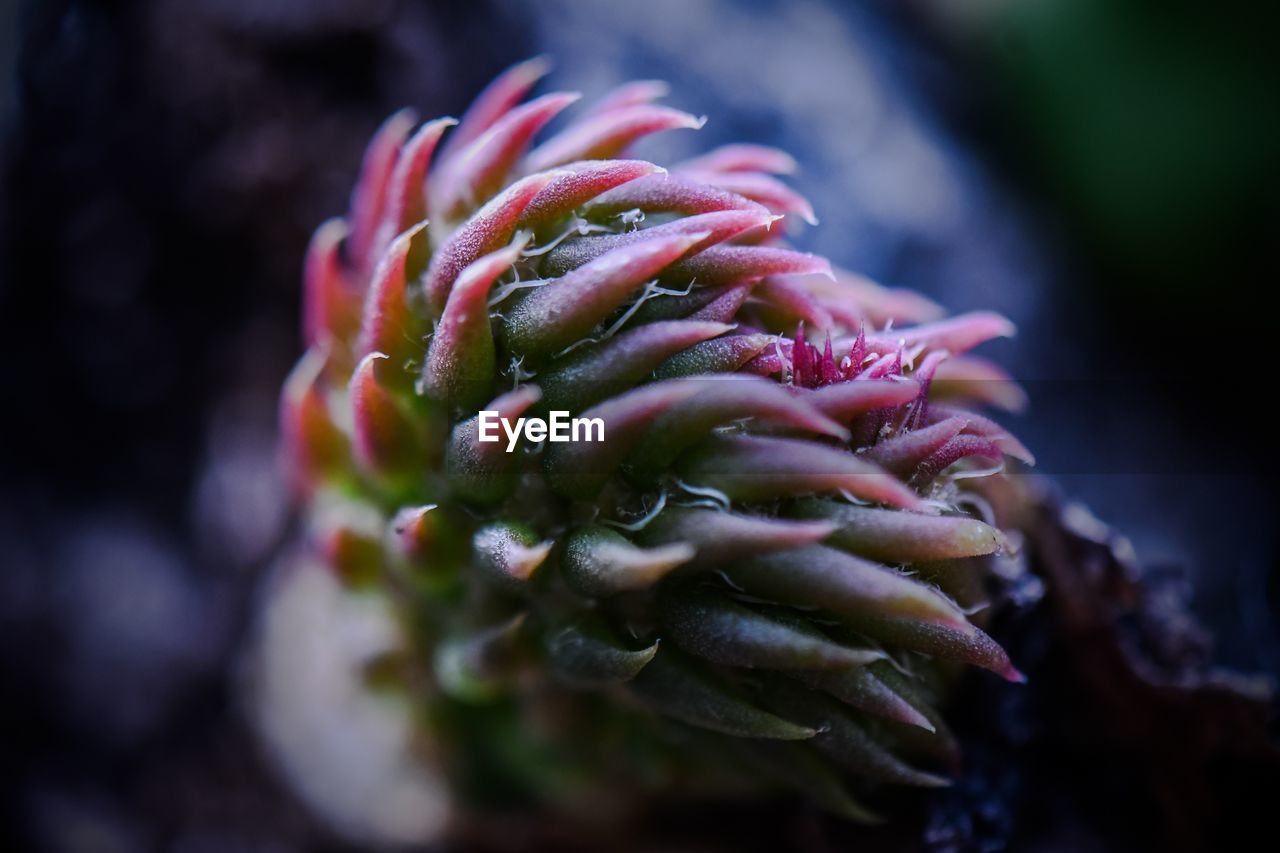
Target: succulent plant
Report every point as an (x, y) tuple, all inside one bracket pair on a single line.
[(764, 572)]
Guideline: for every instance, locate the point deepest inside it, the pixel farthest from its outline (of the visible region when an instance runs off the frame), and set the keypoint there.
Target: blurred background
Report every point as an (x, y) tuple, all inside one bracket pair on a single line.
[(1103, 172)]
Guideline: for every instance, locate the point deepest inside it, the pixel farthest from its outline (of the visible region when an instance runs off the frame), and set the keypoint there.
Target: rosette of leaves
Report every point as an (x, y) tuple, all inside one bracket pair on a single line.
[(762, 574)]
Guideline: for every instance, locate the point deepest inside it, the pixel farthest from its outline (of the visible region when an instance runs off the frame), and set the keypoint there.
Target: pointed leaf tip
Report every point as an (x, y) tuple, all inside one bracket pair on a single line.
[(331, 304), (599, 371), (715, 227), (460, 360), (497, 99), (582, 469), (843, 737), (474, 666), (680, 688), (631, 94), (508, 553), (407, 191), (608, 134), (369, 199), (587, 653), (858, 687), (580, 183), (730, 264), (719, 536), (751, 468), (723, 400), (715, 628), (483, 472), (564, 311), (490, 228), (901, 537), (742, 157), (600, 562), (388, 325), (314, 447), (478, 170), (823, 577), (385, 440)]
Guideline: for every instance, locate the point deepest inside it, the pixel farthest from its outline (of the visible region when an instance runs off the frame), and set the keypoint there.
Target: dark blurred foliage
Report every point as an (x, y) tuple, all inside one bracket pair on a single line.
[(1103, 172), (165, 163), (1156, 130), (168, 162), (1149, 137)]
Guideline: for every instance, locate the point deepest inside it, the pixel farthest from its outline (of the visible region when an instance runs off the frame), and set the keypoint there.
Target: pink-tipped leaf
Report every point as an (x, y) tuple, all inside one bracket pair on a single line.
[(488, 230), (565, 311), (760, 468), (460, 360), (608, 134)]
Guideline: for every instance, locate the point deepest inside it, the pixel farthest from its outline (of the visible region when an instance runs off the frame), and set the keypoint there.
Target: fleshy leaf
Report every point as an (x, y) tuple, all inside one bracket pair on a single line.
[(603, 370), (711, 304), (724, 399), (507, 553), (715, 628), (416, 532), (564, 311), (369, 199), (903, 453), (600, 562), (718, 537), (722, 355), (480, 169), (725, 302), (474, 667), (817, 576), (858, 300), (585, 653), (389, 326), (484, 472), (607, 135), (984, 427), (842, 737), (355, 556), (407, 191), (331, 304), (845, 401), (579, 183), (760, 188), (731, 264), (315, 448), (955, 334), (740, 157), (788, 303), (386, 441), (667, 193), (973, 380), (754, 468), (497, 99), (960, 447), (682, 689), (859, 688), (488, 230), (712, 228), (890, 536), (581, 469), (967, 644), (630, 94), (940, 743), (460, 360), (800, 767)]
